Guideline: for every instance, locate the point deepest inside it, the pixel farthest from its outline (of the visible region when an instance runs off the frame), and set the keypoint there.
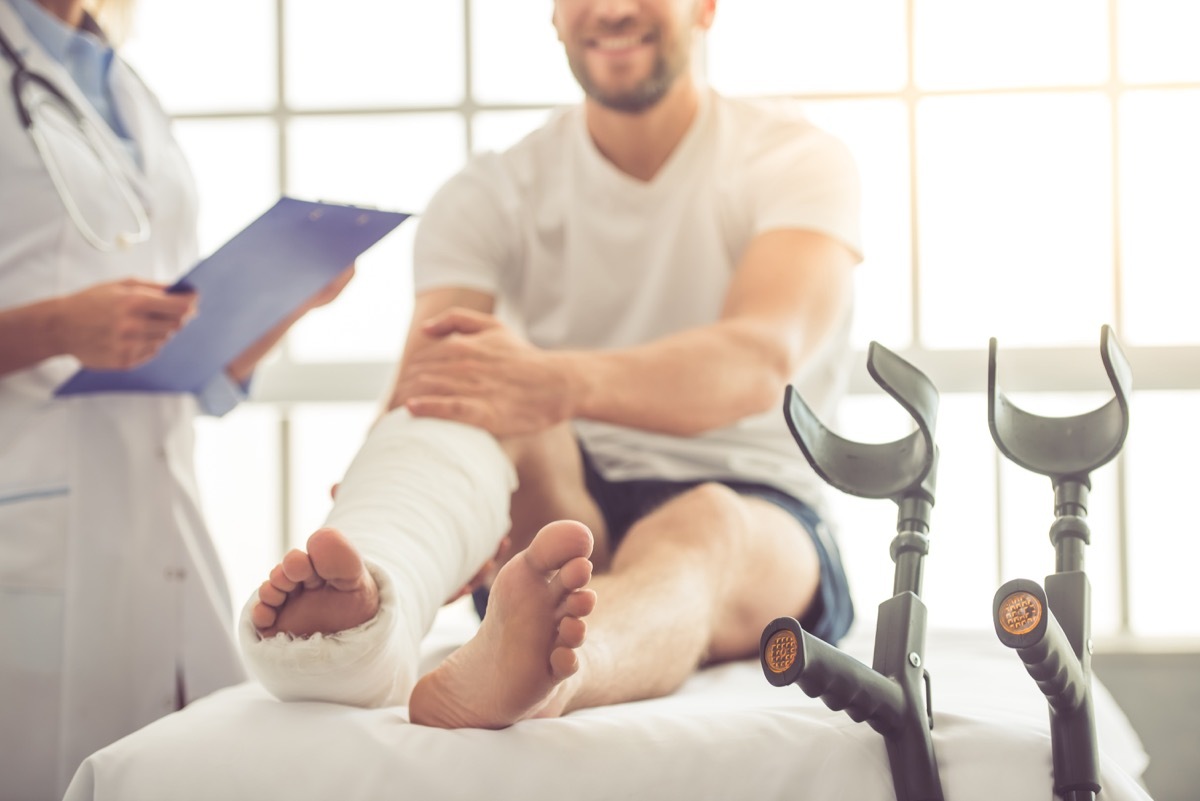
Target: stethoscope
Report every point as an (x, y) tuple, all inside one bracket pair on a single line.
[(23, 77)]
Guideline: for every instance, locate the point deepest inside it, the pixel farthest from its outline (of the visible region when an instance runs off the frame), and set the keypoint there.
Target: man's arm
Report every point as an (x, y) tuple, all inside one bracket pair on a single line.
[(427, 306), (788, 293)]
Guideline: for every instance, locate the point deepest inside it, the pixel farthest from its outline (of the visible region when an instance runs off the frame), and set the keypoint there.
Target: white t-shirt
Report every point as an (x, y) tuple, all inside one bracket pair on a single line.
[(580, 255)]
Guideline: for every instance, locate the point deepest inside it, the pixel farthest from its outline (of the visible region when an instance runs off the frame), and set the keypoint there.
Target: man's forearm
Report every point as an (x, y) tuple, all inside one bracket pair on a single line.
[(686, 383)]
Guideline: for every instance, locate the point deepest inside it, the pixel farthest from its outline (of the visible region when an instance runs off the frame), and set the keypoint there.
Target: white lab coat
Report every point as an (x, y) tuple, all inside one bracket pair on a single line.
[(113, 607)]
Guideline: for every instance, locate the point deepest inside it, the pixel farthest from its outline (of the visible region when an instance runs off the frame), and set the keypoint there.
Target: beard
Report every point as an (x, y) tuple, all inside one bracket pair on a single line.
[(669, 64)]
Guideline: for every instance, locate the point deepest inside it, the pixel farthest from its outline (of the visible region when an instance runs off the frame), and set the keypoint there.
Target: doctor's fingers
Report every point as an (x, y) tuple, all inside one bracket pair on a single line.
[(177, 307), (328, 293), (106, 305), (117, 356), (147, 329)]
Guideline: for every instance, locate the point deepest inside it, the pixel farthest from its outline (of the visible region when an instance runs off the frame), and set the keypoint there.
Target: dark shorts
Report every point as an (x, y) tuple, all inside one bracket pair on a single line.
[(623, 503)]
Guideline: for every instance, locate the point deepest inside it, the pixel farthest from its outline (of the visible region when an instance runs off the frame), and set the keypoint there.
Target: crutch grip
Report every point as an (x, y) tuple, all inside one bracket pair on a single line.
[(1025, 623), (791, 655)]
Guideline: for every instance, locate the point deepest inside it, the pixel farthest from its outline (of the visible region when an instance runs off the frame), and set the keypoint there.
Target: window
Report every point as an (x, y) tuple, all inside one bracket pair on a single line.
[(1029, 172)]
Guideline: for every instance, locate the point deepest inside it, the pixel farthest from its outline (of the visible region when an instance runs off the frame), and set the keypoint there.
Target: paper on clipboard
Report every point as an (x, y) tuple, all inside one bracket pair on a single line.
[(250, 284)]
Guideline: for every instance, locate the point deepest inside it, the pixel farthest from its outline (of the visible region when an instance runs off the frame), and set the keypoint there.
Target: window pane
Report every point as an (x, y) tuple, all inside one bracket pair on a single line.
[(324, 440), (197, 59), (238, 471), (876, 131), (538, 75), (1160, 204), (364, 53), (865, 527), (1164, 539), (1158, 40), (1027, 504), (499, 130), (961, 570), (390, 161), (771, 47), (1019, 43), (1015, 211), (236, 166)]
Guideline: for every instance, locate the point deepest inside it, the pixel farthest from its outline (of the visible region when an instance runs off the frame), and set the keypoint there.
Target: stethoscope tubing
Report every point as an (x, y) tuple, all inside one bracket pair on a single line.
[(22, 75)]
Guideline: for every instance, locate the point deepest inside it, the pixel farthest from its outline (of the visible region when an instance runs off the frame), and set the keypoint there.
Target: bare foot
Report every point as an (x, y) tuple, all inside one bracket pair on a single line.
[(515, 665), (325, 590)]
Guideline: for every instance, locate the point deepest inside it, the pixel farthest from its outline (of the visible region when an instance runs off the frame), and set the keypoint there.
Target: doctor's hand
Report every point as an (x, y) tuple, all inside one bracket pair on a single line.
[(121, 324), (477, 371), (330, 291), (245, 363)]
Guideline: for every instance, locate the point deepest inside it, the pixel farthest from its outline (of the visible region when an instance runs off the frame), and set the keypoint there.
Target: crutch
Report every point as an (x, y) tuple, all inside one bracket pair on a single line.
[(1050, 628), (893, 695)]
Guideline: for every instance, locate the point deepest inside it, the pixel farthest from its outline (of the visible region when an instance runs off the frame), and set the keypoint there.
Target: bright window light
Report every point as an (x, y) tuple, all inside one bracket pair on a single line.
[(1160, 206), (1158, 40), (220, 59), (498, 130), (390, 161), (324, 440), (1020, 43), (373, 53), (240, 477), (1015, 219), (1165, 548), (776, 47), (516, 56), (236, 166), (876, 131)]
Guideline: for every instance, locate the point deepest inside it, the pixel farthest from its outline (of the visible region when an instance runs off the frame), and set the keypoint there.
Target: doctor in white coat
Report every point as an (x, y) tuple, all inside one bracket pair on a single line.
[(113, 607)]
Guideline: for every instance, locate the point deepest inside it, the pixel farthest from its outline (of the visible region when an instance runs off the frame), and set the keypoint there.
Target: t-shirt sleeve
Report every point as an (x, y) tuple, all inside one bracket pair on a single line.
[(465, 237), (802, 177)]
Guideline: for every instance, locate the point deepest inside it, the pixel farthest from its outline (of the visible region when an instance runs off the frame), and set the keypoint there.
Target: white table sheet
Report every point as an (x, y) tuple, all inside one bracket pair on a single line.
[(727, 734)]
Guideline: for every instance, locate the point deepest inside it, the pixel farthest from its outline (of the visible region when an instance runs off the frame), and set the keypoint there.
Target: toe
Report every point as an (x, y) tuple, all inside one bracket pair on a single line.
[(279, 579), (563, 663), (574, 575), (558, 543), (336, 560), (298, 567), (579, 603), (262, 616), (572, 631), (271, 595)]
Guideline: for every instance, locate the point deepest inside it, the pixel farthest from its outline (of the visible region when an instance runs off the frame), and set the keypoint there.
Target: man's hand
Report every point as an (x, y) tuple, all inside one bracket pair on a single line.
[(120, 324), (477, 371)]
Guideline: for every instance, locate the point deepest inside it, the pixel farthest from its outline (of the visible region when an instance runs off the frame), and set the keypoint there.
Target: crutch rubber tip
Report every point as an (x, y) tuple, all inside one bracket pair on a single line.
[(1021, 613), (781, 651)]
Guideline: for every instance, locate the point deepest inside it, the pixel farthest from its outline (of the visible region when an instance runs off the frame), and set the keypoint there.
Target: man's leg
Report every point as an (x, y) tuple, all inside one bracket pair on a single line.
[(552, 487), (693, 582), (423, 505)]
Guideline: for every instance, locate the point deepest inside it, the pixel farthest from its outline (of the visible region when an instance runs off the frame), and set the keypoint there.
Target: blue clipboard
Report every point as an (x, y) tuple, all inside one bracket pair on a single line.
[(249, 285)]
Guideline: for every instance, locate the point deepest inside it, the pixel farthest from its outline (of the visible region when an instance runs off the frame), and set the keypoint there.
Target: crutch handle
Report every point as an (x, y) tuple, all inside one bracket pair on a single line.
[(1025, 623), (791, 655)]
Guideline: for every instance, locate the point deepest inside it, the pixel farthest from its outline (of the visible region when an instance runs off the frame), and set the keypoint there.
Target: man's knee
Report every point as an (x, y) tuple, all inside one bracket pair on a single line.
[(709, 518)]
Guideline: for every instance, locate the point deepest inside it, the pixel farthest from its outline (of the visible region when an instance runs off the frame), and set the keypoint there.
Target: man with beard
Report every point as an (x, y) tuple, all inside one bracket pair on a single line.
[(607, 316)]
